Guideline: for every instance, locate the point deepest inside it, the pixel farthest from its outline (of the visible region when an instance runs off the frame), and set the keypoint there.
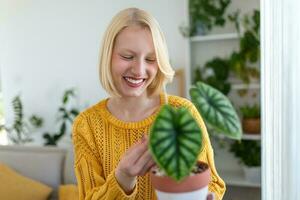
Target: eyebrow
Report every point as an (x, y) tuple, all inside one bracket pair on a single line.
[(151, 53)]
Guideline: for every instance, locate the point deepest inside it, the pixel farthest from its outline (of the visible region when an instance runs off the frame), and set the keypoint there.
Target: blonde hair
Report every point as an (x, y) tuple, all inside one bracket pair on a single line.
[(125, 18)]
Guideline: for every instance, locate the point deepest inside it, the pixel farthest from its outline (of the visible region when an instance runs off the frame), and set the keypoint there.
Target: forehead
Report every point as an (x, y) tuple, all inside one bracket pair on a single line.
[(134, 38)]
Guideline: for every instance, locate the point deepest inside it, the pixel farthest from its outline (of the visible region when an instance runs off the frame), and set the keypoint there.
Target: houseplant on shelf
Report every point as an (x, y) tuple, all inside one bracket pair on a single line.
[(176, 141), (215, 73), (19, 132), (250, 119), (204, 14), (248, 152)]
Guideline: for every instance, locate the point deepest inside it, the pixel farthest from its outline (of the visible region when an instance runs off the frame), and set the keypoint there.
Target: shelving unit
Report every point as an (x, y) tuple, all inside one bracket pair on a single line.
[(221, 43), (236, 178), (251, 136), (242, 86), (215, 37), (245, 136)]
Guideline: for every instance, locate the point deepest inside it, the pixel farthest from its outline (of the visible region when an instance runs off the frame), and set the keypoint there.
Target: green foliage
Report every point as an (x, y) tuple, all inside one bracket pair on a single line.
[(66, 115), (234, 18), (250, 111), (176, 138), (249, 51), (219, 78), (209, 13), (239, 61), (216, 110), (248, 151), (175, 141), (19, 132)]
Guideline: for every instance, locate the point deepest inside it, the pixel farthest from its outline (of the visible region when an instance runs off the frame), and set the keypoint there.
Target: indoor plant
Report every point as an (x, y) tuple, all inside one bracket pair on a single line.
[(206, 13), (239, 63), (176, 140), (66, 115), (215, 73), (251, 118), (248, 152), (19, 132)]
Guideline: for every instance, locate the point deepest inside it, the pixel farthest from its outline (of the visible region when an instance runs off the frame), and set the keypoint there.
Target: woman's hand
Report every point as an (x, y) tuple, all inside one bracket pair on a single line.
[(136, 161)]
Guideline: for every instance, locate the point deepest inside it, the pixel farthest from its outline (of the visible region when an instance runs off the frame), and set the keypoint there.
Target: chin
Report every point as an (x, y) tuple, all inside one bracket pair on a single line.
[(132, 94)]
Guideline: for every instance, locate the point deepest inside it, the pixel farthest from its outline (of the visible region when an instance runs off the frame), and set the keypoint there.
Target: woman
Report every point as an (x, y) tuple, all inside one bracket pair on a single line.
[(112, 160)]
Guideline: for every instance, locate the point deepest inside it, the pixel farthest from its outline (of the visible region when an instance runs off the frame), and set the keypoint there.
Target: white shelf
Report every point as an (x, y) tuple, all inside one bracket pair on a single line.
[(225, 36), (237, 86), (237, 178), (251, 136), (245, 136)]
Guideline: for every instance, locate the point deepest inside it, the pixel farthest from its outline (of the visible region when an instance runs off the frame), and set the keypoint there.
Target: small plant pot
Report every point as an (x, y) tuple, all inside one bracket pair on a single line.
[(252, 174), (193, 187), (251, 126)]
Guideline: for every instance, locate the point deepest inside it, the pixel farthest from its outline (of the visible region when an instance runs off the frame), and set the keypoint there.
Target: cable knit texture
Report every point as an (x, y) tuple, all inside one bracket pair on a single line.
[(100, 140)]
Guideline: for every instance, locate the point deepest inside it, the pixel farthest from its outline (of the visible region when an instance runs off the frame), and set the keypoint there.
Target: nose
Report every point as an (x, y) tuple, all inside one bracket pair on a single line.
[(138, 68)]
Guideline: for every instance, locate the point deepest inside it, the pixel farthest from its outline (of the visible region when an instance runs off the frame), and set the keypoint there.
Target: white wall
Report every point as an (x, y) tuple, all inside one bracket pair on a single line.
[(48, 46)]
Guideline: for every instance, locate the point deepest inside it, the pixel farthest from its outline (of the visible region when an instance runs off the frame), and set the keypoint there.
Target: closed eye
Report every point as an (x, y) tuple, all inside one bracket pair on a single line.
[(151, 60), (127, 57)]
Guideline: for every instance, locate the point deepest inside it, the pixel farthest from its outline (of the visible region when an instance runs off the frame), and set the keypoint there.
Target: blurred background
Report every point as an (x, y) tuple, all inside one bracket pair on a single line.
[(49, 70)]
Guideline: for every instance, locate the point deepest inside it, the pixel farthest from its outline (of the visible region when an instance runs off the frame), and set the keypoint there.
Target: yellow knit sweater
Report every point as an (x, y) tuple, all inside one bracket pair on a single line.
[(100, 139)]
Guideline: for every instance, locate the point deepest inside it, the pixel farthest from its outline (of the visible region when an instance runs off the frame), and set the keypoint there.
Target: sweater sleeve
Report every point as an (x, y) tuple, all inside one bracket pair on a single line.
[(216, 185), (92, 184)]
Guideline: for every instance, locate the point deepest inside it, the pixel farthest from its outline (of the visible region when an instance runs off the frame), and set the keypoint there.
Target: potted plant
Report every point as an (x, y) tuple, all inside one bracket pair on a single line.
[(176, 141), (251, 119), (248, 152), (215, 73), (205, 14)]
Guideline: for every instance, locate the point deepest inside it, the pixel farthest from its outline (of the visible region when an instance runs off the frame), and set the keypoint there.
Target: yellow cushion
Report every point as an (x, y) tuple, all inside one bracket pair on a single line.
[(68, 192), (15, 186)]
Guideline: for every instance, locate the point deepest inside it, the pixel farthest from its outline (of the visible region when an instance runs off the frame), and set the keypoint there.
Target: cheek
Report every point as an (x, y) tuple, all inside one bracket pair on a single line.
[(118, 66), (153, 69)]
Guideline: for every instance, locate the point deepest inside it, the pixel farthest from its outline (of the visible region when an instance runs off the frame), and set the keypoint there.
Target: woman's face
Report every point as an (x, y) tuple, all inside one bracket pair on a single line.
[(134, 64)]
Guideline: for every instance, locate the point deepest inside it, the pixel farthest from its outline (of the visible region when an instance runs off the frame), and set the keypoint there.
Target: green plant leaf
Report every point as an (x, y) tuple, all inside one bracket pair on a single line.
[(216, 110), (36, 121), (74, 112), (175, 141)]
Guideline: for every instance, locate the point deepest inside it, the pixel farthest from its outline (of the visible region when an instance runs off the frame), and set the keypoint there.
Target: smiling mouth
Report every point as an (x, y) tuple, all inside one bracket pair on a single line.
[(133, 82)]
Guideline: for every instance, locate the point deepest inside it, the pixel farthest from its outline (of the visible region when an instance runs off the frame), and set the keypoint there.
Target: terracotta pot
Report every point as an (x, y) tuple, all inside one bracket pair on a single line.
[(193, 187), (251, 125)]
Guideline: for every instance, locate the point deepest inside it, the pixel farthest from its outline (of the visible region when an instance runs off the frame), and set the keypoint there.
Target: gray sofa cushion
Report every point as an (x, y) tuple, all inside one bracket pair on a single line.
[(69, 174), (44, 164)]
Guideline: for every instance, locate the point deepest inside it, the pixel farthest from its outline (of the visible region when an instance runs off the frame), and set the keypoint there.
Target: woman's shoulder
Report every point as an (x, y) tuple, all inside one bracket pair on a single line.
[(178, 101), (91, 111)]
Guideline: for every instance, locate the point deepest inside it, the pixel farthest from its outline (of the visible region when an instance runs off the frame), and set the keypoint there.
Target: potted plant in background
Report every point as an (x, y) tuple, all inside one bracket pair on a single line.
[(205, 14), (215, 73), (176, 141), (248, 152), (19, 132), (66, 115), (251, 119)]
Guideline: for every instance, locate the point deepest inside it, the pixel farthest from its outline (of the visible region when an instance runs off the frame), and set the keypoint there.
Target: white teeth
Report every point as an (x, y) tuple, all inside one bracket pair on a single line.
[(133, 80)]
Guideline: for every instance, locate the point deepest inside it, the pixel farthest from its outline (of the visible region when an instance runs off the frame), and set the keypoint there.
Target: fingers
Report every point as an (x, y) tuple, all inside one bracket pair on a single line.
[(147, 167), (137, 160), (136, 151)]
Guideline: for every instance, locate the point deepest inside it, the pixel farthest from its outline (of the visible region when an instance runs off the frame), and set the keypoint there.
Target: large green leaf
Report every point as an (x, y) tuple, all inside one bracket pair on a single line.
[(175, 141), (216, 110)]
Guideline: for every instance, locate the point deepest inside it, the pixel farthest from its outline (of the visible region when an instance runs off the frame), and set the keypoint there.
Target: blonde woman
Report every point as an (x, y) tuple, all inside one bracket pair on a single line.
[(110, 138)]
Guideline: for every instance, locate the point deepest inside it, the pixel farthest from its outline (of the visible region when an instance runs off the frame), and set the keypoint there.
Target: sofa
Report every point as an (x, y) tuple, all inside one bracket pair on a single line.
[(49, 169)]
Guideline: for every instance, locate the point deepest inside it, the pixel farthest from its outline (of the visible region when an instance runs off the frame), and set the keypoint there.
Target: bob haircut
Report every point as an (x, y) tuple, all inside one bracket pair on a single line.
[(123, 19)]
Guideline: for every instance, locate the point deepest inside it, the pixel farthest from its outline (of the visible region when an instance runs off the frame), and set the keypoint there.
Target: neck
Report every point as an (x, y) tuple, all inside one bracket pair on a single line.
[(133, 108)]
